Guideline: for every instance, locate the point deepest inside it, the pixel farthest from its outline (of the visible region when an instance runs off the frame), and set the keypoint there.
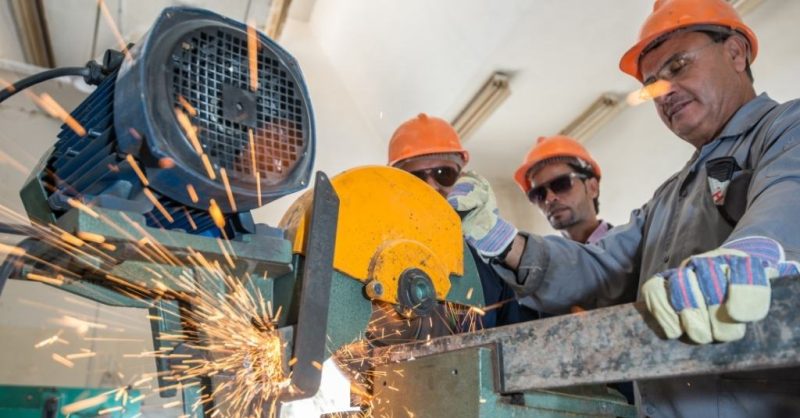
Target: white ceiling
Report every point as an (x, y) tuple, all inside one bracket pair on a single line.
[(398, 58), (76, 28)]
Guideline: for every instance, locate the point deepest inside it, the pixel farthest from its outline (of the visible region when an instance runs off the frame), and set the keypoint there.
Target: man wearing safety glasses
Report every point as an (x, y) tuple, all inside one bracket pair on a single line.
[(560, 177), (563, 181), (703, 250), (429, 148)]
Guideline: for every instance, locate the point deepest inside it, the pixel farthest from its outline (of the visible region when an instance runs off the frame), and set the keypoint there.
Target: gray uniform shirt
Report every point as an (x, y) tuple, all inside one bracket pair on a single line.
[(679, 221)]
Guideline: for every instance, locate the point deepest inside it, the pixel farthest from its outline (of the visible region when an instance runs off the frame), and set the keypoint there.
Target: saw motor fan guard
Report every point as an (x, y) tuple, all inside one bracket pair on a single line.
[(201, 109)]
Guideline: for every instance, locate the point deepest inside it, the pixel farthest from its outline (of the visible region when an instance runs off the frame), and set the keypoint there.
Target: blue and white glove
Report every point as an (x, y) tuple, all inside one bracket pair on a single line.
[(711, 296), (472, 197)]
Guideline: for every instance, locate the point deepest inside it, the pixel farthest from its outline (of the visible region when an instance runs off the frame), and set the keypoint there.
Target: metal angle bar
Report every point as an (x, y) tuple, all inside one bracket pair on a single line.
[(621, 343)]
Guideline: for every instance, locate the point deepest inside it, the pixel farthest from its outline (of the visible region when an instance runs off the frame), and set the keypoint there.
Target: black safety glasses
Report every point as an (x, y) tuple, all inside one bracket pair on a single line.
[(559, 185), (445, 176)]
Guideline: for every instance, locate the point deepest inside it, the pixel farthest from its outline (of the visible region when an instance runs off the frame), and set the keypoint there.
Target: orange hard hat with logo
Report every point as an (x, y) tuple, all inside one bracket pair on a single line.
[(671, 15), (547, 148), (424, 135)]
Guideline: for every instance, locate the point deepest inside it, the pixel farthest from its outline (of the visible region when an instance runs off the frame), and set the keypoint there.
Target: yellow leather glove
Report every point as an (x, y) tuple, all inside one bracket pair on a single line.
[(472, 197), (711, 296)]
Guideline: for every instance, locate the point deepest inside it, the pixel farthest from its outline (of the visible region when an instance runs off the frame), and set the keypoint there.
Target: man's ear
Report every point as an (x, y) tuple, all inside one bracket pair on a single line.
[(737, 48), (593, 187)]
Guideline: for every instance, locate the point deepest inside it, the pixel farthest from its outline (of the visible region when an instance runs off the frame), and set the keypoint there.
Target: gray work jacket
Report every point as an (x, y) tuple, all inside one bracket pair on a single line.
[(679, 221)]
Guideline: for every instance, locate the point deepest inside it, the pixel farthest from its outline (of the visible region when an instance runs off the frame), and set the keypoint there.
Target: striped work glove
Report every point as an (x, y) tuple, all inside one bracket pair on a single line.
[(711, 296), (472, 197)]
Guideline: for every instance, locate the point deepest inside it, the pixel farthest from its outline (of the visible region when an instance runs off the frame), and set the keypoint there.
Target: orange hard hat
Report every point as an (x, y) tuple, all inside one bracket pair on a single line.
[(553, 147), (424, 135), (670, 15)]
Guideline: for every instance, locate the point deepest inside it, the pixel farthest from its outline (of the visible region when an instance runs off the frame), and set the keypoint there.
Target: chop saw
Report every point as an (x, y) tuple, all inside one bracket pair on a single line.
[(144, 201)]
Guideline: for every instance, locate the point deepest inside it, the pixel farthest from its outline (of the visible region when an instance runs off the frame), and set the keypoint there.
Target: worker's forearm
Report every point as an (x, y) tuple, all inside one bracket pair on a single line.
[(514, 255)]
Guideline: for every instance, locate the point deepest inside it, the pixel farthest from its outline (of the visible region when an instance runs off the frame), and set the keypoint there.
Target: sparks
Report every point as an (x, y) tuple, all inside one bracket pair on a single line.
[(224, 174), (252, 55), (135, 166)]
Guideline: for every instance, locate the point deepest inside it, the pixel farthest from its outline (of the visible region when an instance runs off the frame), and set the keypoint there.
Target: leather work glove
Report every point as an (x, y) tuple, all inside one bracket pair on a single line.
[(472, 197), (711, 296)]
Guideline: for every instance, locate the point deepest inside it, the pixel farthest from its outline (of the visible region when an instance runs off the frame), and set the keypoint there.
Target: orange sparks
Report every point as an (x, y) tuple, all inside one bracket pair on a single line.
[(80, 355), (469, 293), (80, 325), (48, 341), (91, 237), (11, 250), (62, 361), (135, 166), (225, 253), (316, 365), (166, 163), (158, 205), (192, 193), (224, 174), (172, 404), (189, 218), (252, 55), (81, 206), (187, 106), (477, 310), (216, 214), (252, 150), (293, 361), (71, 239), (258, 188), (109, 410), (189, 129), (113, 26), (209, 167), (7, 86), (84, 404), (49, 105), (55, 281)]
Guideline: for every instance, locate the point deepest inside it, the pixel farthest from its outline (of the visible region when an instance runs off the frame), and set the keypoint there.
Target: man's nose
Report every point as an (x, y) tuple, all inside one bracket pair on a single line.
[(550, 198), (662, 91)]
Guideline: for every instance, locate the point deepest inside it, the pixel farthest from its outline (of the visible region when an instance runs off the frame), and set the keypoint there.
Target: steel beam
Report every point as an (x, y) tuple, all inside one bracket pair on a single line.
[(620, 343)]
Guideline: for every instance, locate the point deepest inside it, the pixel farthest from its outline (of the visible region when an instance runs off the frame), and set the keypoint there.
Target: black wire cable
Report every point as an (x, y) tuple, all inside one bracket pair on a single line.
[(40, 77)]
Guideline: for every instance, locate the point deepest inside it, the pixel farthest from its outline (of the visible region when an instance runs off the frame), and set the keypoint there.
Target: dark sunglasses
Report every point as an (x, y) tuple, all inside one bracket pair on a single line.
[(559, 185), (444, 175)]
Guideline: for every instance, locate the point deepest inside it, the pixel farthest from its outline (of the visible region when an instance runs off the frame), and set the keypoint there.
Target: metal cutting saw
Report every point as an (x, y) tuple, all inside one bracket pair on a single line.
[(144, 201)]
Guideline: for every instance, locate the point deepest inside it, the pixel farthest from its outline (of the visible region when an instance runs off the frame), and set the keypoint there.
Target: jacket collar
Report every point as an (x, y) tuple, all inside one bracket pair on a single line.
[(748, 116)]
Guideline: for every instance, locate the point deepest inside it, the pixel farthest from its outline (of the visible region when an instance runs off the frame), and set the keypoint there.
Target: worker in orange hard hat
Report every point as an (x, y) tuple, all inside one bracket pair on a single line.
[(563, 181), (561, 178), (429, 148), (703, 250)]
